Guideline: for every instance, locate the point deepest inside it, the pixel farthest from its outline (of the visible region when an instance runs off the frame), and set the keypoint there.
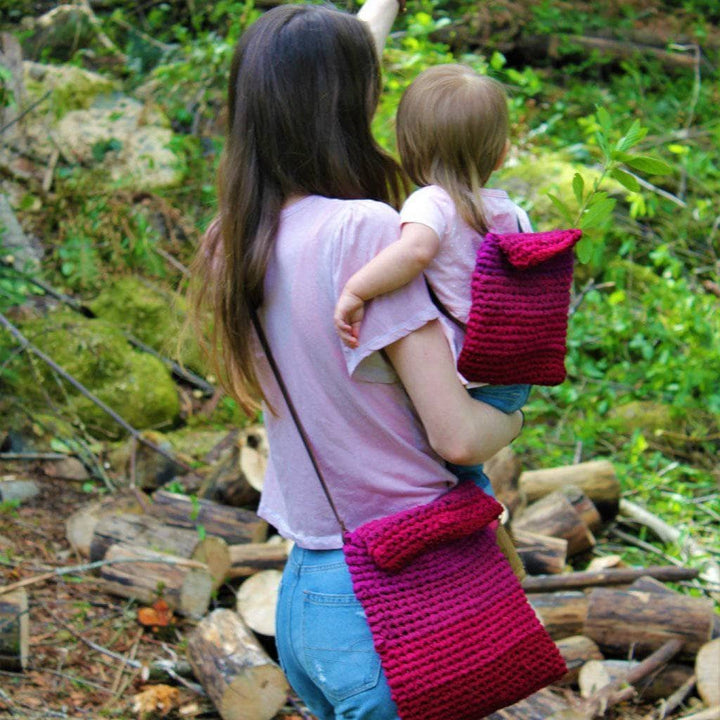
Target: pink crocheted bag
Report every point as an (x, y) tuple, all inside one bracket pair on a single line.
[(455, 633), (517, 327)]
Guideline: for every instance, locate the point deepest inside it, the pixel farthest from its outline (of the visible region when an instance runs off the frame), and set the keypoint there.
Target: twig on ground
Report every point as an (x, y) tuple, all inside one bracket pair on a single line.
[(648, 547), (671, 703)]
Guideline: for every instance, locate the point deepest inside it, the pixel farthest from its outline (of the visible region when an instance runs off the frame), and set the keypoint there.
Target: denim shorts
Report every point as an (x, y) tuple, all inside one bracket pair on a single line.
[(324, 642)]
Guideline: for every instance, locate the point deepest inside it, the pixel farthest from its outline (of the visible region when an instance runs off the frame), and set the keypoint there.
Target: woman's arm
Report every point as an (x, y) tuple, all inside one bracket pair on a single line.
[(379, 15), (461, 430), (395, 266)]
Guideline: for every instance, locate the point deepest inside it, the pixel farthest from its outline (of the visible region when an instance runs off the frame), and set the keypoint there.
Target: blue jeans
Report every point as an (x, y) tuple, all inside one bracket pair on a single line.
[(507, 398), (324, 642)]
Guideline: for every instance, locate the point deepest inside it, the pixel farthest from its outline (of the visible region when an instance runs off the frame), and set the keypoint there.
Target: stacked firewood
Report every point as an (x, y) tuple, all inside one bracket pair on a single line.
[(623, 632)]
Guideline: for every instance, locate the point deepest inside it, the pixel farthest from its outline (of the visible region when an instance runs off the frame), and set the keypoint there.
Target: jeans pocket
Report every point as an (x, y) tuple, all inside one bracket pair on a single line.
[(339, 653)]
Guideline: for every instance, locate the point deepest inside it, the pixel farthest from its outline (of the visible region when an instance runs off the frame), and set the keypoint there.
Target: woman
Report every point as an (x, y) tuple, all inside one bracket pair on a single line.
[(302, 191)]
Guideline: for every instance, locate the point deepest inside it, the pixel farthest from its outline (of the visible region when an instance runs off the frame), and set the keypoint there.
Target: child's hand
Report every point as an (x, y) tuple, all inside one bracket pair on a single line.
[(348, 315)]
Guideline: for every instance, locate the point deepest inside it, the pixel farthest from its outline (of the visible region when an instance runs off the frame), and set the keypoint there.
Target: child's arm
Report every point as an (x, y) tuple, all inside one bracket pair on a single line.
[(395, 266)]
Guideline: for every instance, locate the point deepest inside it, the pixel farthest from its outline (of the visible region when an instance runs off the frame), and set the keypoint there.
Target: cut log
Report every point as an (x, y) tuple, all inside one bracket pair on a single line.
[(563, 614), (14, 631), (611, 576), (584, 506), (555, 515), (504, 469), (576, 651), (596, 674), (257, 600), (151, 532), (254, 455), (17, 491), (234, 525), (186, 585), (707, 671), (247, 559), (540, 554), (236, 672), (542, 704), (597, 479), (629, 621), (80, 526), (227, 483)]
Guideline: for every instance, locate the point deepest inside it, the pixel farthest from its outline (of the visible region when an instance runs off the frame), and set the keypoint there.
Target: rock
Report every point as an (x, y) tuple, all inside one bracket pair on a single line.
[(58, 34), (152, 316), (137, 386), (16, 248), (127, 138), (69, 468)]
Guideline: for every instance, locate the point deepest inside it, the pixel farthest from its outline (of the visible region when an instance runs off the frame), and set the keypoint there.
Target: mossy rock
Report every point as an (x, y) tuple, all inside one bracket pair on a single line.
[(647, 416), (137, 386), (153, 316)]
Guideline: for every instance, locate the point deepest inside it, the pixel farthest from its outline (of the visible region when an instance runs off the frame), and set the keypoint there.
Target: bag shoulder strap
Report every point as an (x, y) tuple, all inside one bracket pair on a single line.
[(296, 418)]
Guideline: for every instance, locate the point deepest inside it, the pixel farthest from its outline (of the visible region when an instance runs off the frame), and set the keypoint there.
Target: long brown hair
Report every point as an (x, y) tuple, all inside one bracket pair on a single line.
[(452, 130), (304, 85)]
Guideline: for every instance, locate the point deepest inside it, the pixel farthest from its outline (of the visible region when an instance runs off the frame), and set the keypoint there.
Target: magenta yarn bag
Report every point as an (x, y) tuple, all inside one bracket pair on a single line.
[(455, 633), (517, 327)]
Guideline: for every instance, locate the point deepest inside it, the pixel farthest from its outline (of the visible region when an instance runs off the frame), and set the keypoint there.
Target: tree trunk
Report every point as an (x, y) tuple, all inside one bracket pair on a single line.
[(555, 515), (540, 554), (596, 479), (247, 559), (151, 532), (563, 613), (238, 675), (186, 587), (80, 526), (624, 621), (14, 631), (234, 525)]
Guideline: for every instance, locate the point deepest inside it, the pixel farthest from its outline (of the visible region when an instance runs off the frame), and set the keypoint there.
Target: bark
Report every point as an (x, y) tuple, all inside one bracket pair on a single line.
[(236, 672), (563, 613), (576, 651), (247, 559), (540, 554), (14, 631)]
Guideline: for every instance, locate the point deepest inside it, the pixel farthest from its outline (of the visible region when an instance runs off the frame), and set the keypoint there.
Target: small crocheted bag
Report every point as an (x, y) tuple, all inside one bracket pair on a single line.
[(517, 327), (454, 630)]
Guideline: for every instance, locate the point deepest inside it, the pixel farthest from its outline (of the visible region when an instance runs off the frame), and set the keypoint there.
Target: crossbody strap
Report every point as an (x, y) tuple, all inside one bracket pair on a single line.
[(293, 412)]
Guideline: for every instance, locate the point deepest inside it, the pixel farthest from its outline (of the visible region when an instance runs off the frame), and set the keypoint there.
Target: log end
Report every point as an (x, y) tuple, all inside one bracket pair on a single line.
[(259, 694)]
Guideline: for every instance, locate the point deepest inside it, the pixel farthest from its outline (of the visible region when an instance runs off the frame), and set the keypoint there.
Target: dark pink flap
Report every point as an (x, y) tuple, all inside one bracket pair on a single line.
[(394, 541), (526, 249)]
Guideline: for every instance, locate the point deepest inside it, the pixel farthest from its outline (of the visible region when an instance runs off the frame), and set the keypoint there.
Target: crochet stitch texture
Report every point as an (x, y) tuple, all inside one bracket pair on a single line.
[(517, 327), (450, 621)]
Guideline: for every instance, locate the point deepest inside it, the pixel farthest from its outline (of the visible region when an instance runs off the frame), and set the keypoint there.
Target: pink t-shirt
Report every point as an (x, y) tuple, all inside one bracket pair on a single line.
[(451, 269), (371, 446)]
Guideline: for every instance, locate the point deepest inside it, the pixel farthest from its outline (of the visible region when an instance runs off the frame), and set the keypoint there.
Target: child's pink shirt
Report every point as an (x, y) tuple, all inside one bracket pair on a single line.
[(370, 444), (450, 270)]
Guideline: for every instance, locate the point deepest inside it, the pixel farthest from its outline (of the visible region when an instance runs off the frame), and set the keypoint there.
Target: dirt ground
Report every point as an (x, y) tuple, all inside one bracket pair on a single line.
[(89, 655)]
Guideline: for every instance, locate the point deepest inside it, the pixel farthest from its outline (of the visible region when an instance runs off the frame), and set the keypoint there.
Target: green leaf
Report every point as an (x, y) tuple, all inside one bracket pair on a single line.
[(632, 137), (625, 179), (649, 165), (603, 117), (584, 250), (562, 207), (578, 186), (597, 214)]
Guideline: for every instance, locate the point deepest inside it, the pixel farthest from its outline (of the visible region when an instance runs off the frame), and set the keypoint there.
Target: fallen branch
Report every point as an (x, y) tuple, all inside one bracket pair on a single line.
[(688, 547), (611, 576), (28, 346), (616, 692), (673, 702)]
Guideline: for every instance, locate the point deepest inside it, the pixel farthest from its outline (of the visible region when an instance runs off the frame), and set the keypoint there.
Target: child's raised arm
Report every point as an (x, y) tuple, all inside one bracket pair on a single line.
[(395, 266)]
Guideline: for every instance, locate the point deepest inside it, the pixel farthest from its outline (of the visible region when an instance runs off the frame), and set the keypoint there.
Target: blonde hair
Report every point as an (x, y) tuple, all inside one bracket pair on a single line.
[(452, 131)]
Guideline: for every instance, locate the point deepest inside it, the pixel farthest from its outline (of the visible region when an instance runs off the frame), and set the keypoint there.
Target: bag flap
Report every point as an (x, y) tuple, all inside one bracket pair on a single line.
[(525, 249), (396, 540)]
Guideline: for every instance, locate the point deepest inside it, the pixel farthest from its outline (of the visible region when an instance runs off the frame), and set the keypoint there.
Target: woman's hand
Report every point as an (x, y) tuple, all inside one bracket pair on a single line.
[(461, 430)]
